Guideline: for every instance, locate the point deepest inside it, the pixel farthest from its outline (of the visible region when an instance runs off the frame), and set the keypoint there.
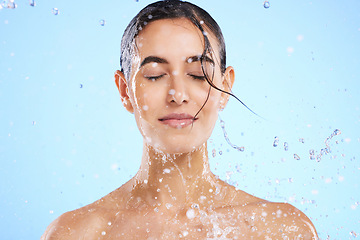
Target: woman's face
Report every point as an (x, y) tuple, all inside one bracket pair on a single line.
[(167, 86)]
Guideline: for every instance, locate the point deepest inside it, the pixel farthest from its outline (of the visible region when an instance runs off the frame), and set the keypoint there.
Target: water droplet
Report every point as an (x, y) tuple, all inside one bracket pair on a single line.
[(81, 86), (150, 16), (354, 234), (301, 140), (290, 50), (190, 214), (286, 146), (172, 91), (337, 132), (102, 22), (145, 107), (185, 233), (220, 152), (341, 178), (32, 3), (266, 4), (103, 233), (296, 157), (109, 223), (241, 149), (55, 11), (145, 181), (214, 152), (291, 180), (276, 142), (201, 22), (33, 123), (166, 170)]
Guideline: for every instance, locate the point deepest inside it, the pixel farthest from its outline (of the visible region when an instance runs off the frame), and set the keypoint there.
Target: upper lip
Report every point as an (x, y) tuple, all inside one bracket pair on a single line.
[(177, 116)]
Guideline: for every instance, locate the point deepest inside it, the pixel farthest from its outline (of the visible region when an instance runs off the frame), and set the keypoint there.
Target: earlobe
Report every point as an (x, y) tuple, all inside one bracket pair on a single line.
[(228, 81), (122, 86)]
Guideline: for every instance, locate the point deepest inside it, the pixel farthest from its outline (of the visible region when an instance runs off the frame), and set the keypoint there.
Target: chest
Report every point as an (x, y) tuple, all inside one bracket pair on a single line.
[(193, 225)]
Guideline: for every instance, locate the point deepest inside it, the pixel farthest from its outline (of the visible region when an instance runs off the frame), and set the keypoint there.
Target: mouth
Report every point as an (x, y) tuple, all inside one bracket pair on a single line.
[(178, 120)]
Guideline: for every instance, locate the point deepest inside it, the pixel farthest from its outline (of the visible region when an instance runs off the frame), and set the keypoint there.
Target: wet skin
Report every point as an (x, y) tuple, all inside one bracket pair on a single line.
[(174, 195)]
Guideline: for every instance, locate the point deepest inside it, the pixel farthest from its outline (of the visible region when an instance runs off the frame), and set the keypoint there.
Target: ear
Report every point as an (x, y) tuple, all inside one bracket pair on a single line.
[(228, 82), (123, 88)]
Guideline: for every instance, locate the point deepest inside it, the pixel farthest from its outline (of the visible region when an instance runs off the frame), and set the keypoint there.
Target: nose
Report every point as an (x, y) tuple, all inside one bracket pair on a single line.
[(178, 91)]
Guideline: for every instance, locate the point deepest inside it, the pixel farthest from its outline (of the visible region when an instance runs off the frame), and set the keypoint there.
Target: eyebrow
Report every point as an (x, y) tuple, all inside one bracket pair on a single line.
[(155, 59)]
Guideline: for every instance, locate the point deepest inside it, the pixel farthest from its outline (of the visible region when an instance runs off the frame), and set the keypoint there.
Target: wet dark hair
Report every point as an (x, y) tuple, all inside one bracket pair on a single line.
[(170, 9), (174, 9)]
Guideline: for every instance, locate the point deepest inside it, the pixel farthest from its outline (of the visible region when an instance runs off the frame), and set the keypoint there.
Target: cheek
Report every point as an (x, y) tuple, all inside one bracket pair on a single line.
[(214, 99)]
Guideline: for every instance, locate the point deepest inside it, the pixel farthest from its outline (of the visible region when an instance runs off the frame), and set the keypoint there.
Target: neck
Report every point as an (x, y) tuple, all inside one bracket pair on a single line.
[(175, 179)]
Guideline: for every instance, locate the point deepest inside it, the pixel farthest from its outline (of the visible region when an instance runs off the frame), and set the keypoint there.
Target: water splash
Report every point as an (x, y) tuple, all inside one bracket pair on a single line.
[(266, 4), (222, 124), (327, 149), (8, 4)]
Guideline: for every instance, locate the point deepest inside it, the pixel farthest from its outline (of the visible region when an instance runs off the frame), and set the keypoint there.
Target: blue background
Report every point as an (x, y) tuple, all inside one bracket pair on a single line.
[(66, 140)]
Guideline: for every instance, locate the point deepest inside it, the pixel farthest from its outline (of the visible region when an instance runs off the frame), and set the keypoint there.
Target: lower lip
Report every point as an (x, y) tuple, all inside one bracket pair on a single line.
[(178, 123)]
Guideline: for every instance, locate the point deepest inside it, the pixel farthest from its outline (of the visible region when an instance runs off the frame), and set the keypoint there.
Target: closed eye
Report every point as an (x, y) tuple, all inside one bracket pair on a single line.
[(154, 78), (197, 77)]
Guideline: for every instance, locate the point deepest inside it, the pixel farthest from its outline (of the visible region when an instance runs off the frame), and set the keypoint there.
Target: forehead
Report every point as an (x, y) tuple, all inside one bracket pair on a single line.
[(173, 37)]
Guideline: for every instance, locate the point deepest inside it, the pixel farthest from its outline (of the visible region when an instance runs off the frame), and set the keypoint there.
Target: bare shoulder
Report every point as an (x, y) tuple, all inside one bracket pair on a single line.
[(87, 222), (278, 221), (82, 223)]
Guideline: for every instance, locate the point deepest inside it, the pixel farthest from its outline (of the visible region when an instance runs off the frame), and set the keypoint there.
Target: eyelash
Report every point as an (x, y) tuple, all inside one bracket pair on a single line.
[(197, 77), (154, 78)]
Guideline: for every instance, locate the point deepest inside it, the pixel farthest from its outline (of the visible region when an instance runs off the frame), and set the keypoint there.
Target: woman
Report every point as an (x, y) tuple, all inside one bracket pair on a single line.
[(174, 80)]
